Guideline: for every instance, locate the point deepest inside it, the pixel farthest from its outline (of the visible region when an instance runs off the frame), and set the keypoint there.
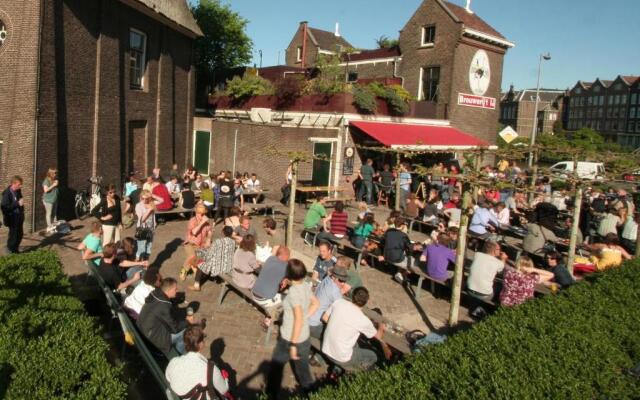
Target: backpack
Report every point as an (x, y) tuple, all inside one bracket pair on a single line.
[(62, 227), (200, 392)]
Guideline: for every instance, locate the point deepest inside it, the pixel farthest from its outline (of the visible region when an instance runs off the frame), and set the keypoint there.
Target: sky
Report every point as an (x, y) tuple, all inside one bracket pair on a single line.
[(586, 38)]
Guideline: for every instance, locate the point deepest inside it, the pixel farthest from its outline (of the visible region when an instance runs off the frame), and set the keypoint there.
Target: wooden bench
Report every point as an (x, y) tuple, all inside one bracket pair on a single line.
[(331, 201), (131, 333), (316, 345), (177, 210), (265, 206), (228, 283), (415, 270)]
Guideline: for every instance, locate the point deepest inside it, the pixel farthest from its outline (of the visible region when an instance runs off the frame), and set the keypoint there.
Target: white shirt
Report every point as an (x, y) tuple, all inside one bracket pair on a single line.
[(185, 372), (136, 299), (503, 216), (346, 323), (252, 185), (482, 272), (172, 187), (630, 229)]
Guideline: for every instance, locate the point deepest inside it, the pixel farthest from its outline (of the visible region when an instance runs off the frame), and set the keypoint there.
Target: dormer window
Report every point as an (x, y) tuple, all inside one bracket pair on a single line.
[(299, 54), (428, 35)]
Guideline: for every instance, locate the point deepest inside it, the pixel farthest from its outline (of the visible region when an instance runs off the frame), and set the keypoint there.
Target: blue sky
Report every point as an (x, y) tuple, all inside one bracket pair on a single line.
[(586, 38)]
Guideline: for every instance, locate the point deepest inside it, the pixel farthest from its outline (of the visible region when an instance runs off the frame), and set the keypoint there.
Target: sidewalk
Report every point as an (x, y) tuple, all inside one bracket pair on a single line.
[(235, 339)]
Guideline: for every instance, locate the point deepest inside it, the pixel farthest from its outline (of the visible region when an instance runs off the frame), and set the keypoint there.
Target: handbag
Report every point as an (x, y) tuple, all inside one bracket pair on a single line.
[(548, 245), (143, 233)]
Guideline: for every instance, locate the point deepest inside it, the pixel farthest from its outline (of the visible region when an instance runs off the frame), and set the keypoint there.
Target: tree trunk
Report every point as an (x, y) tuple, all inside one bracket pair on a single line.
[(292, 202), (574, 229), (461, 251), (534, 176), (397, 207)]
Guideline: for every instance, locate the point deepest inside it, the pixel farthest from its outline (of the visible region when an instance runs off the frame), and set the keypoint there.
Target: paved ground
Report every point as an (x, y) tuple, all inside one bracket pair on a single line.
[(235, 339)]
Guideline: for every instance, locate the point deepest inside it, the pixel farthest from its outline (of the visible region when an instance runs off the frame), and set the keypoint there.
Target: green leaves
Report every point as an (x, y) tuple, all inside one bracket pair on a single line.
[(576, 345), (49, 346), (248, 86)]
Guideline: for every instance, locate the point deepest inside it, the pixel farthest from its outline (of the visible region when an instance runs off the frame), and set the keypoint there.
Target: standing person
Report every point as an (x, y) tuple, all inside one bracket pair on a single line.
[(111, 216), (198, 237), (225, 198), (293, 344), (161, 195), (386, 180), (13, 213), (405, 184), (366, 175), (50, 197), (146, 213)]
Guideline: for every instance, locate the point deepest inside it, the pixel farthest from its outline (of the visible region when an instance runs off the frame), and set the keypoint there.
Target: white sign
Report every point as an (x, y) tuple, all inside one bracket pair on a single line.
[(470, 100), (508, 134)]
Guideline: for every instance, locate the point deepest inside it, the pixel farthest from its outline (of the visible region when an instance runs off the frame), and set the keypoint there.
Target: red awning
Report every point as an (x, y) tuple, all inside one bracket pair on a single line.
[(419, 137)]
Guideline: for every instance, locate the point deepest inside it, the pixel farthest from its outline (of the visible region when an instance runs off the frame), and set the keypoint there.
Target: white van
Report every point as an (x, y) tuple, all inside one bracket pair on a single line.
[(585, 170)]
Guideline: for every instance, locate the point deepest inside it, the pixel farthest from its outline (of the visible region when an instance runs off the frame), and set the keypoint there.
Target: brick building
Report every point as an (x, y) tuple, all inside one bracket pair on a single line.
[(447, 55), (611, 107), (517, 108), (98, 87), (309, 43)]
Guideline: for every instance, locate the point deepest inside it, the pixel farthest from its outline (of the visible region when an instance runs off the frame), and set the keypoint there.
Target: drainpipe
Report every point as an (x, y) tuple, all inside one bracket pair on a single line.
[(35, 133), (304, 43)]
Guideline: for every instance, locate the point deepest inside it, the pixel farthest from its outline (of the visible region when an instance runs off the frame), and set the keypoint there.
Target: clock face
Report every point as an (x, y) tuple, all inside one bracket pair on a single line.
[(479, 73)]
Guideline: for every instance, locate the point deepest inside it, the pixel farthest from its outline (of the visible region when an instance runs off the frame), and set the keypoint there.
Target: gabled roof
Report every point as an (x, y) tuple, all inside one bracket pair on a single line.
[(176, 11), (373, 54), (630, 79), (327, 40), (471, 20), (546, 95)]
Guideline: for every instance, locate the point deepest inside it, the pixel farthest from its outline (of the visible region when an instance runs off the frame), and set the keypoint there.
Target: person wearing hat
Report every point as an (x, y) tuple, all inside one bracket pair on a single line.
[(330, 289)]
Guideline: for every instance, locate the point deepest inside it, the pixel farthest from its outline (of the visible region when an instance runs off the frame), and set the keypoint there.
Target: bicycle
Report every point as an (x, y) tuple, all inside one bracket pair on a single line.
[(83, 202)]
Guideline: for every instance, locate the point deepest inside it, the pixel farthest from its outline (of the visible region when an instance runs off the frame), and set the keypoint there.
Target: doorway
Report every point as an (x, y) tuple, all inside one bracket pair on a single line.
[(201, 151), (321, 169), (137, 148)]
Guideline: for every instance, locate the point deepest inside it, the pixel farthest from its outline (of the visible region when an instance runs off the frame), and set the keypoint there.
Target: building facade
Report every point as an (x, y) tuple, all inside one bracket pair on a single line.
[(517, 110), (308, 44), (447, 56), (102, 87), (611, 107)]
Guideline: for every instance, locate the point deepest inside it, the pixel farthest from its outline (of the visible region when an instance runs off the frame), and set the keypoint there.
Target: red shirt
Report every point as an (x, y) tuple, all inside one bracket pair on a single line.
[(162, 192), (492, 195), (339, 223)]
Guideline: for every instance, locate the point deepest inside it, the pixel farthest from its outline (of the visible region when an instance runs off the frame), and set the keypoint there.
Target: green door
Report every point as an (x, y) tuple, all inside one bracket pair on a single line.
[(321, 168), (201, 151)]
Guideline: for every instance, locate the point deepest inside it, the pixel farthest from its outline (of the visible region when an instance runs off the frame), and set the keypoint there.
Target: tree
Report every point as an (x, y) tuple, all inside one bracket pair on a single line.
[(384, 42), (225, 44)]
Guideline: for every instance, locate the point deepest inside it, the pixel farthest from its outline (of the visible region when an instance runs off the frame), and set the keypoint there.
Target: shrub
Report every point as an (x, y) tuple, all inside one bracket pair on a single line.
[(49, 346), (395, 103), (579, 344), (364, 100), (248, 86), (288, 89)]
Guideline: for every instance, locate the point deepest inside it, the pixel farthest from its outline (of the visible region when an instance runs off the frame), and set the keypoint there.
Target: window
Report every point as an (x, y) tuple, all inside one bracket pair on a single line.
[(634, 98), (632, 112), (553, 116), (137, 58), (430, 82), (428, 35), (352, 77), (299, 53), (623, 99), (632, 127)]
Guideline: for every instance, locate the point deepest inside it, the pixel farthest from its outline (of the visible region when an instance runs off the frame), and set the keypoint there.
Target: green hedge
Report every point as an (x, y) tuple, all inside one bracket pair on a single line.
[(577, 345), (49, 346)]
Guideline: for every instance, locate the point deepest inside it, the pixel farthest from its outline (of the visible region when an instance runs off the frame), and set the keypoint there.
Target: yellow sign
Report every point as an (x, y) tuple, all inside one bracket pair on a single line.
[(508, 134)]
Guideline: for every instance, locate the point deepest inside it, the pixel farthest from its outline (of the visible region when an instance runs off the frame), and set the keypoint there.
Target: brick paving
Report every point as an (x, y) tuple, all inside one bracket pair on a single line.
[(234, 337)]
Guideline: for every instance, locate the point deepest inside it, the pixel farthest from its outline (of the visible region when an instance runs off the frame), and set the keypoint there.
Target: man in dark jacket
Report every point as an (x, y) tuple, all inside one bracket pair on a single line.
[(157, 322), (13, 213), (396, 248)]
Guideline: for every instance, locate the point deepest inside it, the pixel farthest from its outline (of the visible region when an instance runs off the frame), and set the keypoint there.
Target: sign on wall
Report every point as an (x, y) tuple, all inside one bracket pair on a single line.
[(470, 100), (347, 165), (508, 134)]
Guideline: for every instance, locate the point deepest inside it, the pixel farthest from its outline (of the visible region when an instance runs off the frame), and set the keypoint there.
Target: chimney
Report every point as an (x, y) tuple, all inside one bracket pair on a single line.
[(337, 33), (468, 7)]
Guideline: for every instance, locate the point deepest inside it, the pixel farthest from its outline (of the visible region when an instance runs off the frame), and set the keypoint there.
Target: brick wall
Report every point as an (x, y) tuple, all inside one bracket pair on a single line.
[(251, 156), (373, 70), (311, 50), (18, 85), (85, 59)]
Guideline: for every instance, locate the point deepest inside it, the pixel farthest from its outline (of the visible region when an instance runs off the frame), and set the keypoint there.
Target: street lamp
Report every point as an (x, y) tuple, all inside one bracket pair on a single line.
[(545, 57)]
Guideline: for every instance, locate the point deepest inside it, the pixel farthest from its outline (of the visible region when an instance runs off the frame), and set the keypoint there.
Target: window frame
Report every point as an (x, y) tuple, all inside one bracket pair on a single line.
[(299, 54), (143, 53), (423, 36), (422, 95)]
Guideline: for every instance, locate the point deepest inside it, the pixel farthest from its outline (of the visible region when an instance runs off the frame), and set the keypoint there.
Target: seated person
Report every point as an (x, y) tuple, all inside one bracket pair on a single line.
[(207, 196), (396, 247), (454, 201), (438, 256), (161, 196), (345, 323), (126, 255), (608, 254), (630, 233), (244, 229), (353, 277), (217, 259), (91, 246), (502, 214), (173, 187), (253, 183), (332, 288), (265, 290), (413, 206), (519, 282), (362, 231), (492, 195), (111, 272), (324, 262), (157, 322), (274, 236), (538, 234), (187, 198), (335, 225), (483, 271), (483, 222), (191, 375), (610, 222), (245, 263), (561, 274), (314, 218), (150, 282)]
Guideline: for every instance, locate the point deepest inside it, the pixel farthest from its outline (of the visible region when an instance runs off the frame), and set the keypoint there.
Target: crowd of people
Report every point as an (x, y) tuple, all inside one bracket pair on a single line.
[(326, 301)]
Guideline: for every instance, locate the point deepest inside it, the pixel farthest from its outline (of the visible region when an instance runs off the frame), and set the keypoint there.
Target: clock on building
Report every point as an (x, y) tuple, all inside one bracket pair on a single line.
[(479, 73)]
